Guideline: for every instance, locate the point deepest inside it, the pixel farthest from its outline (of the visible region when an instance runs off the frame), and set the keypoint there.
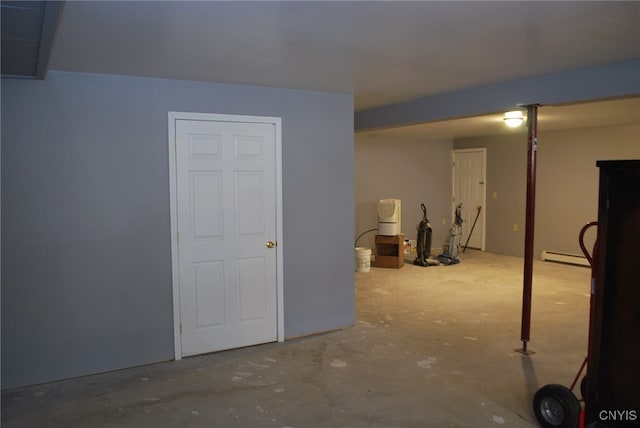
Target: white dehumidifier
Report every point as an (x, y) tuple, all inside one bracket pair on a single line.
[(389, 217)]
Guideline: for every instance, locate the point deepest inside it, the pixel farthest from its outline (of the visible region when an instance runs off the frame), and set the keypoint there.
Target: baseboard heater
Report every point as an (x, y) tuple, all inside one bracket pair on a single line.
[(572, 259)]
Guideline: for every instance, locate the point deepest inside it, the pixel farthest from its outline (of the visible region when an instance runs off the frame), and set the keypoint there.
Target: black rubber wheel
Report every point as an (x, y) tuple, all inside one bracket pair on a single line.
[(583, 387), (555, 406)]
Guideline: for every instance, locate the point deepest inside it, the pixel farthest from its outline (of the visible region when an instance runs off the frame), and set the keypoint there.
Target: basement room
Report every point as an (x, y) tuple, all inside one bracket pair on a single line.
[(313, 214)]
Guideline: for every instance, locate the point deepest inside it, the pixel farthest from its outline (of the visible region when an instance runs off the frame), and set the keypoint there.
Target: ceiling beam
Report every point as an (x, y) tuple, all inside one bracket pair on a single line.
[(52, 15), (608, 81)]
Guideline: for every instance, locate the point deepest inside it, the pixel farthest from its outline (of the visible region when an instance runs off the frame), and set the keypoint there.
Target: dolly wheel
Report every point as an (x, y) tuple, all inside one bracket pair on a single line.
[(555, 406)]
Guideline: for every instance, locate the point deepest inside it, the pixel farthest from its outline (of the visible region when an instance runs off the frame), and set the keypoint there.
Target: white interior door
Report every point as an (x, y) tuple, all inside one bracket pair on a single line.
[(225, 189), (469, 178)]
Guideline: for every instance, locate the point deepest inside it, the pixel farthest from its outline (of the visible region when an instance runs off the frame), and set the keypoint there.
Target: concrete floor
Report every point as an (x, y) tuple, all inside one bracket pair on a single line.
[(432, 347)]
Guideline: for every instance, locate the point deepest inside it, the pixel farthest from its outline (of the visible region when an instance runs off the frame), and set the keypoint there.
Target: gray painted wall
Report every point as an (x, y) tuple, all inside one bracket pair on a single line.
[(86, 262), (414, 171), (566, 184)]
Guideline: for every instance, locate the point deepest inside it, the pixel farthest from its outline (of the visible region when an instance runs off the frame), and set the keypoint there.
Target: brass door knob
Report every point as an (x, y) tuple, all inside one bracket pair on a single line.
[(271, 244)]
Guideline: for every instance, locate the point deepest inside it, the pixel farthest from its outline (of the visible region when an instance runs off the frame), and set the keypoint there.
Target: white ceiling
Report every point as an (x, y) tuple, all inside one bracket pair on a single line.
[(382, 52)]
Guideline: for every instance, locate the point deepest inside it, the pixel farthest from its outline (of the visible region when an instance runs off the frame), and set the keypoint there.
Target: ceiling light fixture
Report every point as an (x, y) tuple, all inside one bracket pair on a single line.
[(513, 119)]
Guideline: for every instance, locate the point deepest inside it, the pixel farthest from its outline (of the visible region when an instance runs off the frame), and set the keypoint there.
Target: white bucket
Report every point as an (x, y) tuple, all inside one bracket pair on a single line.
[(363, 259)]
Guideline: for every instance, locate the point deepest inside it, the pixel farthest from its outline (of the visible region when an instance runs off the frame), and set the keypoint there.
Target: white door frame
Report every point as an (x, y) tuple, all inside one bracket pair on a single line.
[(175, 277), (454, 203)]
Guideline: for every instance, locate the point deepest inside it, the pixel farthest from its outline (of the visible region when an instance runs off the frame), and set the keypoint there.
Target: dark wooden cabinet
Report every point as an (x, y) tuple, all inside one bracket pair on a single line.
[(613, 371), (389, 251)]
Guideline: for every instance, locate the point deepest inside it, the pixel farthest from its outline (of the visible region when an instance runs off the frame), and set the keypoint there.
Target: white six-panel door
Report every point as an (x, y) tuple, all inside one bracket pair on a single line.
[(225, 189), (469, 177)]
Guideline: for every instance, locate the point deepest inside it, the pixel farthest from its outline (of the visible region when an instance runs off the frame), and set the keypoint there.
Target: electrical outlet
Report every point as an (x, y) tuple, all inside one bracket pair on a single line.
[(495, 195), (515, 227), (444, 220)]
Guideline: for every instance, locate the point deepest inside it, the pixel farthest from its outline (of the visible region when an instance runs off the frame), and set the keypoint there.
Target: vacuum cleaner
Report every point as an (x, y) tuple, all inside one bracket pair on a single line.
[(449, 255), (423, 244)]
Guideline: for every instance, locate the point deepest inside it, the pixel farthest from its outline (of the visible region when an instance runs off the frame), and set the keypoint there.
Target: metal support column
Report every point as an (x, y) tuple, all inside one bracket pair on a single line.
[(532, 143)]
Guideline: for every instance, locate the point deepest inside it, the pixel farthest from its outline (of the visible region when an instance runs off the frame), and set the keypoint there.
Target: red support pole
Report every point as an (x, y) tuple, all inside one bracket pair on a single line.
[(532, 145)]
